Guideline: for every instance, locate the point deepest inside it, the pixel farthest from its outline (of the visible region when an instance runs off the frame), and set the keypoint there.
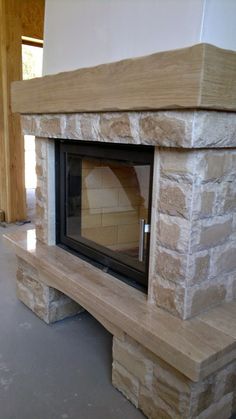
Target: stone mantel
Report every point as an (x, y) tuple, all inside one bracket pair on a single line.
[(199, 77)]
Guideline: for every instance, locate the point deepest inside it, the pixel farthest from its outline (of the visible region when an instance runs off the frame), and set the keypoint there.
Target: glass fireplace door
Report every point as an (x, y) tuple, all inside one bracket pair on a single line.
[(105, 205)]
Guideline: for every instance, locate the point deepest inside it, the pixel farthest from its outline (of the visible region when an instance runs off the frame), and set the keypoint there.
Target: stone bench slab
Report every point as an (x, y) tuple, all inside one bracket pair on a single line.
[(195, 347)]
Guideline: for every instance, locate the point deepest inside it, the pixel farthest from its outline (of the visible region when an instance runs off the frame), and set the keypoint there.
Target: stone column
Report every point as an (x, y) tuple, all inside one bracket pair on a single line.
[(46, 302), (162, 392), (193, 264)]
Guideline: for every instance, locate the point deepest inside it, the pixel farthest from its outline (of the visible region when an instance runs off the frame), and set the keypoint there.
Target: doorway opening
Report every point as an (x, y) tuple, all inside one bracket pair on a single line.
[(32, 59)]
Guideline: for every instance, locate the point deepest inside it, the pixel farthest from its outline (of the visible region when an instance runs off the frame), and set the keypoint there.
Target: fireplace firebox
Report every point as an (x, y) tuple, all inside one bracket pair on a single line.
[(103, 195)]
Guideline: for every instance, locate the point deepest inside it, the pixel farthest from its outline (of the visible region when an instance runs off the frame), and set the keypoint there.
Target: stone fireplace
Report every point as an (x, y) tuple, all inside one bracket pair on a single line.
[(174, 347)]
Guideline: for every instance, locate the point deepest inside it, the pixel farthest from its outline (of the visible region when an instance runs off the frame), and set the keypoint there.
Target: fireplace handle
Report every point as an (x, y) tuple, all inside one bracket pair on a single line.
[(143, 228)]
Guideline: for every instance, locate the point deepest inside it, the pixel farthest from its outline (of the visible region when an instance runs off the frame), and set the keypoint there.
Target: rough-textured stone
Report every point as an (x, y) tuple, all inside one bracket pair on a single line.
[(169, 296), (229, 203), (175, 199), (115, 126), (220, 410), (177, 165), (162, 128), (214, 234), (41, 148), (165, 128), (207, 203), (168, 232), (214, 165), (173, 233), (62, 308), (170, 394), (170, 265), (90, 127), (214, 129), (224, 259), (205, 398), (133, 360), (40, 212), (234, 288), (39, 195), (39, 170), (47, 303), (73, 126), (194, 192), (28, 124), (173, 389), (199, 264), (125, 382), (153, 408), (230, 384), (201, 299), (52, 126)]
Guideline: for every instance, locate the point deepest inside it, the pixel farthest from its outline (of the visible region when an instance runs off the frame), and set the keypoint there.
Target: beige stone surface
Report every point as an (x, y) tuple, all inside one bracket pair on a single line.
[(214, 234), (219, 410), (223, 259), (207, 203), (173, 233), (198, 268), (125, 382), (165, 128), (169, 296), (177, 164), (134, 361), (115, 126), (181, 129), (198, 77), (229, 203), (205, 297), (169, 393), (175, 199), (192, 346), (214, 129), (52, 126), (47, 303), (194, 215), (153, 408), (170, 265), (218, 164), (222, 318)]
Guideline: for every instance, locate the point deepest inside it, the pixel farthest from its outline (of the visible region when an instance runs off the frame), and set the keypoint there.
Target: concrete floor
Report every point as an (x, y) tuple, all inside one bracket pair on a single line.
[(62, 371)]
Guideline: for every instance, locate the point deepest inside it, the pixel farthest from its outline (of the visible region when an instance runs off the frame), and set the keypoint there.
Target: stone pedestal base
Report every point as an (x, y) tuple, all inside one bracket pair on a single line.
[(46, 302), (162, 392)]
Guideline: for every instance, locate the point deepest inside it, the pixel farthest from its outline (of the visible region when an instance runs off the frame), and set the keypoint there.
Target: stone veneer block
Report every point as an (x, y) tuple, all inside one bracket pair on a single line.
[(161, 391), (170, 128), (48, 303)]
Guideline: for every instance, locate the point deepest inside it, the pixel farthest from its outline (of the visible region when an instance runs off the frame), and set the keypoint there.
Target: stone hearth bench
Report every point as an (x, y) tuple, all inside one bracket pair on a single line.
[(169, 368)]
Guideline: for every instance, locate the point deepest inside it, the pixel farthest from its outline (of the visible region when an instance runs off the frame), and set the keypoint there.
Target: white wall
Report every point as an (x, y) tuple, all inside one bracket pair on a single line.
[(80, 33), (219, 23)]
